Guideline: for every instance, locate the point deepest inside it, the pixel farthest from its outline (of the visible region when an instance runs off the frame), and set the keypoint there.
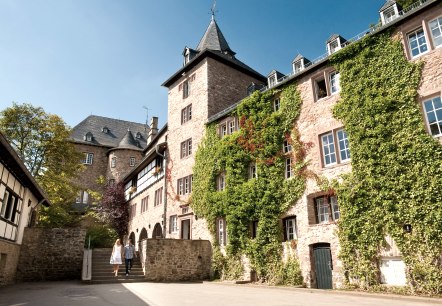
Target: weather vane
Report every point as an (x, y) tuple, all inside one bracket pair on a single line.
[(147, 117), (213, 9)]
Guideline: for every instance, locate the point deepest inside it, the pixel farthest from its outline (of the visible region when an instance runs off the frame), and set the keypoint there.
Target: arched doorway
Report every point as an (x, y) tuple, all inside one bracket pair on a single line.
[(143, 234), (132, 237), (157, 231)]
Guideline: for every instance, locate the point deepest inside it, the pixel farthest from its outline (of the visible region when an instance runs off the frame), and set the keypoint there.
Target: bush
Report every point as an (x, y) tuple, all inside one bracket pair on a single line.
[(101, 236)]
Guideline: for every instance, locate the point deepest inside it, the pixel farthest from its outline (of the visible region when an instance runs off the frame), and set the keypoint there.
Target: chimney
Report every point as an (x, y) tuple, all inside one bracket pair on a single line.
[(153, 131)]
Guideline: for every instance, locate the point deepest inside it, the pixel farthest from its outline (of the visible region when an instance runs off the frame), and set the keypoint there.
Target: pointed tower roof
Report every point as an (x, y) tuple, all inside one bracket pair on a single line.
[(129, 142), (214, 39)]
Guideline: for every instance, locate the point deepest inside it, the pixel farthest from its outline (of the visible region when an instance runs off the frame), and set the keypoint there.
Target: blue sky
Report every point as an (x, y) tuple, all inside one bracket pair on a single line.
[(109, 58)]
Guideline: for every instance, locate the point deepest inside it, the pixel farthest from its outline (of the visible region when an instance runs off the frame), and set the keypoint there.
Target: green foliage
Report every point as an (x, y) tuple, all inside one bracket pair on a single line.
[(57, 216), (287, 273), (101, 236), (41, 140), (245, 200), (396, 174)]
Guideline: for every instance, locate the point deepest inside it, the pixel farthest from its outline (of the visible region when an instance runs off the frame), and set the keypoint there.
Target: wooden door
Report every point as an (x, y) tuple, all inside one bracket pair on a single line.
[(323, 267)]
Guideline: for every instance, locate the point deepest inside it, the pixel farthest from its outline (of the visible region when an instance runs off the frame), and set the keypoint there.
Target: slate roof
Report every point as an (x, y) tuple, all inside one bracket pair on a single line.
[(117, 135), (387, 4), (213, 44), (214, 39), (12, 161)]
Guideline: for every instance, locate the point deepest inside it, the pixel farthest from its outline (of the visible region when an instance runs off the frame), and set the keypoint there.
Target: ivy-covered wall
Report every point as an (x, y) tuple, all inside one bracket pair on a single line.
[(396, 174), (263, 199)]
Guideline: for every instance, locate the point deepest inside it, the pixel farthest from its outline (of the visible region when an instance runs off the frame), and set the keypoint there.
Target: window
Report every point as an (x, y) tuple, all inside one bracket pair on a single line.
[(417, 42), (433, 114), (158, 197), (138, 135), (253, 229), (272, 80), (11, 206), (132, 211), (221, 231), (88, 158), (221, 182), (186, 148), (334, 46), (287, 147), (320, 88), (173, 224), (111, 182), (132, 161), (334, 82), (88, 136), (344, 150), (223, 130), (105, 130), (184, 185), (186, 89), (252, 171), (113, 162), (231, 126), (389, 14), (186, 114), (276, 105), (329, 147), (144, 204), (436, 31), (288, 168), (82, 197), (298, 66), (290, 230), (326, 209)]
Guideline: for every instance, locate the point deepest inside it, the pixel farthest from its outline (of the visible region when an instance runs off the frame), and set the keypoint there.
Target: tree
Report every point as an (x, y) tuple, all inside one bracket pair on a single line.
[(42, 142), (113, 209)]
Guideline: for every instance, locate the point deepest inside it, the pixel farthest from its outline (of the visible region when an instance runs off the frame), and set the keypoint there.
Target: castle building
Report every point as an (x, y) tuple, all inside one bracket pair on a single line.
[(208, 89)]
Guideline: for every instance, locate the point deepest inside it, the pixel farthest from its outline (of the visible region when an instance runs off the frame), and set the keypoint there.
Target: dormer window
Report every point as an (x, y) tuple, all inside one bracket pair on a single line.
[(273, 77), (88, 136), (272, 80), (389, 12), (188, 55), (299, 63), (138, 135), (105, 130), (335, 43)]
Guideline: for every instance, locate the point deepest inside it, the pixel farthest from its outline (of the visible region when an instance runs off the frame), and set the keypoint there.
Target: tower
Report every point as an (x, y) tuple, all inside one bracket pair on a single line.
[(211, 80)]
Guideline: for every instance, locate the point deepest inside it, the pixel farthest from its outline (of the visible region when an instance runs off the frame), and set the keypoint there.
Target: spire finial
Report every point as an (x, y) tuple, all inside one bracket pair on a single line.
[(213, 9)]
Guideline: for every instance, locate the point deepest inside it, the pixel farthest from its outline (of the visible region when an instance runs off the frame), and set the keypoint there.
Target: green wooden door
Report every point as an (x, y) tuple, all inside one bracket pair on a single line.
[(323, 265)]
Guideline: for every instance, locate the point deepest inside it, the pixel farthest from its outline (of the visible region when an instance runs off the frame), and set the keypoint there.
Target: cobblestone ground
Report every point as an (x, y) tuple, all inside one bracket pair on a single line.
[(195, 294)]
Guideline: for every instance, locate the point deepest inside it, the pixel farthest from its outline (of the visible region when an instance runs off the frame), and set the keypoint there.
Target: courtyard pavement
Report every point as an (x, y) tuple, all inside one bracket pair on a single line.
[(195, 294)]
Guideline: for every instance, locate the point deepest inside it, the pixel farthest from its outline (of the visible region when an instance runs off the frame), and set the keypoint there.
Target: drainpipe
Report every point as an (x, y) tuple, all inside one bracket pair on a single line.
[(165, 188)]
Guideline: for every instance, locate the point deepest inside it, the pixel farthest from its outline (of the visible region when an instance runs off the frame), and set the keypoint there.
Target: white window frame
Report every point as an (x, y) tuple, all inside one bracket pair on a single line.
[(88, 158), (291, 230), (272, 80), (298, 66), (438, 25), (221, 182), (328, 149), (327, 209), (435, 111), (415, 35), (232, 126), (334, 79), (288, 168), (343, 146), (221, 229), (276, 104), (132, 161), (252, 171), (113, 162), (173, 224), (286, 146)]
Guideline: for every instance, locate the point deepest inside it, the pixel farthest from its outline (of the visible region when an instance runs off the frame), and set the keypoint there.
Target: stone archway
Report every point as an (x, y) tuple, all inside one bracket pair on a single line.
[(157, 231), (132, 237), (143, 234)]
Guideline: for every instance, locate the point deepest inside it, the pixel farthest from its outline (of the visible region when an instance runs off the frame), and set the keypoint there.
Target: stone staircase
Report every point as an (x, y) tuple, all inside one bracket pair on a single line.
[(102, 269)]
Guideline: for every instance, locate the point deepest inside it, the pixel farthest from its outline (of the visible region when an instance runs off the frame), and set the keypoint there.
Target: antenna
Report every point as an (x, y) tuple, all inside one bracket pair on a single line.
[(147, 117), (213, 9)]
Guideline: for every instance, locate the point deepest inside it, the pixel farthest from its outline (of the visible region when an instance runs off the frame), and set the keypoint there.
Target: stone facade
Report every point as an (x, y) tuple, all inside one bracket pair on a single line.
[(51, 254), (122, 163), (170, 260), (8, 261)]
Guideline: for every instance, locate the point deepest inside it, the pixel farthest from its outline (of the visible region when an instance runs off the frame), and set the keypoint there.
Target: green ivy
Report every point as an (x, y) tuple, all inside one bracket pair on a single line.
[(396, 176), (265, 198)]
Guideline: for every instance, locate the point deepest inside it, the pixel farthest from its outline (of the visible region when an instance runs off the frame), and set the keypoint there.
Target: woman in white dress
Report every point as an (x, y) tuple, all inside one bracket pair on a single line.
[(117, 256)]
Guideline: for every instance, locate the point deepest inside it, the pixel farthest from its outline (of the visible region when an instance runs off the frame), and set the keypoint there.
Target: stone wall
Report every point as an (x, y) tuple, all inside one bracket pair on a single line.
[(51, 254), (169, 260), (9, 252)]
